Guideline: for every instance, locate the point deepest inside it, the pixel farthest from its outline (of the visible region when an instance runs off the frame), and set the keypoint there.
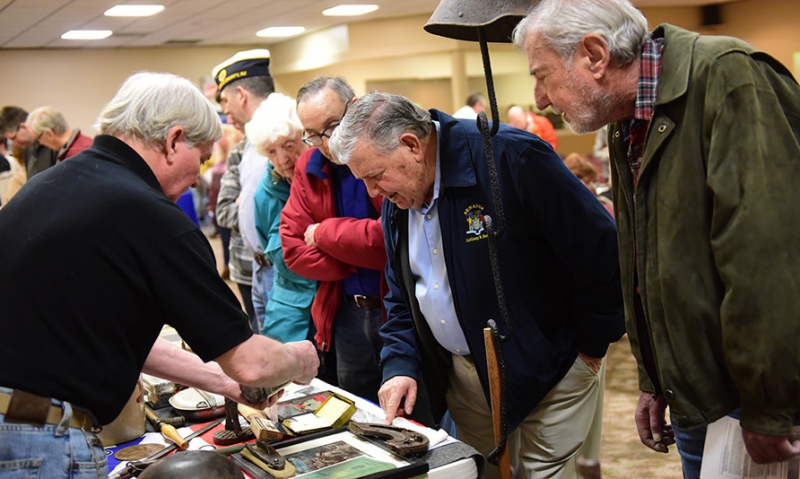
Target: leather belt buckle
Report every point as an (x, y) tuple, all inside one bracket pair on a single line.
[(360, 300), (261, 259), (27, 408), (365, 301)]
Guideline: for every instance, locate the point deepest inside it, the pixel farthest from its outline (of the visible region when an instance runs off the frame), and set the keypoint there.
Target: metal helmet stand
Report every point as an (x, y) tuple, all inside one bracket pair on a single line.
[(478, 20)]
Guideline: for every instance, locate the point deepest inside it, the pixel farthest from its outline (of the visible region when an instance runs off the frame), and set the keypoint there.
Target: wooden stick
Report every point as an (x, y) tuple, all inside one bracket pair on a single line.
[(503, 462), (166, 429)]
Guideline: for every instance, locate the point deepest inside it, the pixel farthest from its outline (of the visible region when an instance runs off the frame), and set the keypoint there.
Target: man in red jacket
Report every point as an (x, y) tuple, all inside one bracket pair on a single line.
[(54, 132), (331, 232)]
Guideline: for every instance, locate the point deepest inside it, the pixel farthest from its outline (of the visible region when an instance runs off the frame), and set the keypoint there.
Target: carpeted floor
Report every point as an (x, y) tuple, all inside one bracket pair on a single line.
[(622, 456)]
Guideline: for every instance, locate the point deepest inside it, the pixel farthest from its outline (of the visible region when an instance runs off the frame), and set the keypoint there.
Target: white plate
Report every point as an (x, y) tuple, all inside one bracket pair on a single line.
[(195, 400)]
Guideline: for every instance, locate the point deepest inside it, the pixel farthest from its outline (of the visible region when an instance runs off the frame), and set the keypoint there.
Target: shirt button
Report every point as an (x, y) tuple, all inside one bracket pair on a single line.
[(429, 216), (435, 251), (443, 321), (458, 350), (616, 134), (435, 286)]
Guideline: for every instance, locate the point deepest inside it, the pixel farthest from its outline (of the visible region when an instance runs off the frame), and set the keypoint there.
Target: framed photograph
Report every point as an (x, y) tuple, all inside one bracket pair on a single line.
[(340, 454)]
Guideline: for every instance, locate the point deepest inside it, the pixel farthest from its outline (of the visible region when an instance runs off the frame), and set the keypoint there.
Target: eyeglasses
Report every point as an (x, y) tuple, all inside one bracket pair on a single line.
[(316, 139)]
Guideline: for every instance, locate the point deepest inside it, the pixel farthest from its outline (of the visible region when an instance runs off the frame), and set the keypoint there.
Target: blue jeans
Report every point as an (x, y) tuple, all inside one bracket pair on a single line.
[(690, 446), (358, 349), (263, 279), (50, 451)]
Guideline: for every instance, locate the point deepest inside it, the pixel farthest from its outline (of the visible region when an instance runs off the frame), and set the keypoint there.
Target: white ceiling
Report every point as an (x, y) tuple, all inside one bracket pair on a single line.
[(40, 23)]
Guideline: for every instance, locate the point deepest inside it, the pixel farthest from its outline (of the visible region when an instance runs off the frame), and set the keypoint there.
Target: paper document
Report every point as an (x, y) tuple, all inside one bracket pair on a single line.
[(725, 456)]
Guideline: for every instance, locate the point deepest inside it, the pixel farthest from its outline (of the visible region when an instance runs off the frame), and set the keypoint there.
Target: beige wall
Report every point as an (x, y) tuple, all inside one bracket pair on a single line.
[(396, 55)]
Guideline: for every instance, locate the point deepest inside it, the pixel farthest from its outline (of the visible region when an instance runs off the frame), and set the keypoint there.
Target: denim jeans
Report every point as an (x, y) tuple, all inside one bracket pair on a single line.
[(690, 446), (358, 349), (263, 279), (50, 451)]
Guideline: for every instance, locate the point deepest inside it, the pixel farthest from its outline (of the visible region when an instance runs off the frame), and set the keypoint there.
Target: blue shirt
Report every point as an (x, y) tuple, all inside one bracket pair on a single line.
[(352, 200), (430, 271)]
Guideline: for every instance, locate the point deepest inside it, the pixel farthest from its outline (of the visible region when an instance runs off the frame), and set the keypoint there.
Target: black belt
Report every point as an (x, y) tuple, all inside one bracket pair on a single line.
[(370, 301), (261, 259)]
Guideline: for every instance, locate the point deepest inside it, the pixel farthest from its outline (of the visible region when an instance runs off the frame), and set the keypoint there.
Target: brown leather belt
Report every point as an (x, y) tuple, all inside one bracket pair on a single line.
[(370, 301), (27, 408)]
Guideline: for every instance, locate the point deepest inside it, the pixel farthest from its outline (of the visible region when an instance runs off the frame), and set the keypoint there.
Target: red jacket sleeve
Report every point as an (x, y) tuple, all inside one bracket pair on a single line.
[(310, 202), (355, 241)]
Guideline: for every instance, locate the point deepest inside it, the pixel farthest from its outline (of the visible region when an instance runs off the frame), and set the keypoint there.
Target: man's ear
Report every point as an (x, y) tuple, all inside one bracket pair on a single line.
[(596, 52), (242, 95), (410, 141), (175, 136)]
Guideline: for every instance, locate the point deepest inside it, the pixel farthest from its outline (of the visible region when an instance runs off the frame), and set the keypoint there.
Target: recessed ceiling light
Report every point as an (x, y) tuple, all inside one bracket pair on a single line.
[(349, 10), (86, 34), (280, 31), (133, 10)]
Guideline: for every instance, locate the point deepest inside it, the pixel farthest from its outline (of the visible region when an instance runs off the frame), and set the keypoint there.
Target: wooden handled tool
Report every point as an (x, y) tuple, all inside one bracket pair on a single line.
[(263, 429), (503, 462), (166, 429)]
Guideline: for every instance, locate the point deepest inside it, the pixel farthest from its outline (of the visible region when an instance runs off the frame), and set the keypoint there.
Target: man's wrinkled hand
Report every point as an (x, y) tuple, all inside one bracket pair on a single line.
[(593, 363), (308, 361), (654, 432), (764, 449), (397, 397)]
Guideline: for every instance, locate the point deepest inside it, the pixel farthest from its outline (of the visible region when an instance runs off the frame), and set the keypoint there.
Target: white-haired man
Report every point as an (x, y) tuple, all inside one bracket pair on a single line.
[(119, 259), (557, 256), (55, 133), (703, 143)]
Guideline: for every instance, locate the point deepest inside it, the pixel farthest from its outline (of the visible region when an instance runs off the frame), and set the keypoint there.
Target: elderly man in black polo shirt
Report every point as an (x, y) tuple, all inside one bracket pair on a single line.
[(118, 259)]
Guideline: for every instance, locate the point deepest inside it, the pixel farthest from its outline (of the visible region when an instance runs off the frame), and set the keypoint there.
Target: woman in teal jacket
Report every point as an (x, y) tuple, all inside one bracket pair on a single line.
[(276, 133)]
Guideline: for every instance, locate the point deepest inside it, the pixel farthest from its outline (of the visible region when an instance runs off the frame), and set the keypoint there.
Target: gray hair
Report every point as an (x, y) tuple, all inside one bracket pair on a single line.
[(148, 104), (380, 119), (338, 84), (274, 119), (47, 118), (260, 86), (563, 23)]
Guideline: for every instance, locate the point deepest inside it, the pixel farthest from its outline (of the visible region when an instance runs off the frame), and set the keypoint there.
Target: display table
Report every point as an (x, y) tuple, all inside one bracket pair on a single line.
[(447, 458)]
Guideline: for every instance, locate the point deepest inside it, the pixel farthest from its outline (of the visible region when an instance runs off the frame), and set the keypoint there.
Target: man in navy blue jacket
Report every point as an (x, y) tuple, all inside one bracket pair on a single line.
[(558, 262)]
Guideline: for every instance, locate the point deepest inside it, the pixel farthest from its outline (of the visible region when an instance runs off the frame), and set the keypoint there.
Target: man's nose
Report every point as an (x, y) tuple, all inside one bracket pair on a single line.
[(540, 97)]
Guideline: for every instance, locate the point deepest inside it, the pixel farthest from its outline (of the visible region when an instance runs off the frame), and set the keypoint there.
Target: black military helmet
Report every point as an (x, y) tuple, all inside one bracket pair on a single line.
[(194, 464), (460, 19)]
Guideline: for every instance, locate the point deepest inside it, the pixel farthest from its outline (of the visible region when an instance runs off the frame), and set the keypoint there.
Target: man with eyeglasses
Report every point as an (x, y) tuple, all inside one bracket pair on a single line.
[(13, 127), (331, 232)]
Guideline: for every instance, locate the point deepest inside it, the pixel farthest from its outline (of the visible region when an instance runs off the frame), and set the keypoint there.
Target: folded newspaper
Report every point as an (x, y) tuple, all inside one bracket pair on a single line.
[(725, 456)]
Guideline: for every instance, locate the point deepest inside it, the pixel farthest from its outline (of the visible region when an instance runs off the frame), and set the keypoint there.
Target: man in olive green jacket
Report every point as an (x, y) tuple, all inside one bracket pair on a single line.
[(706, 161)]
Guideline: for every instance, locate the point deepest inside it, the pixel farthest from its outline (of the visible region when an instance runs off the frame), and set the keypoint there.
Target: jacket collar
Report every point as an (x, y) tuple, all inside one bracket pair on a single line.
[(117, 151), (318, 165), (456, 170), (677, 58)]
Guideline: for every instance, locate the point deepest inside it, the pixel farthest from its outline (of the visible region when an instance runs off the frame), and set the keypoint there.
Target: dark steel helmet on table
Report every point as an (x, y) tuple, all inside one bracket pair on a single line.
[(194, 464), (460, 19)]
